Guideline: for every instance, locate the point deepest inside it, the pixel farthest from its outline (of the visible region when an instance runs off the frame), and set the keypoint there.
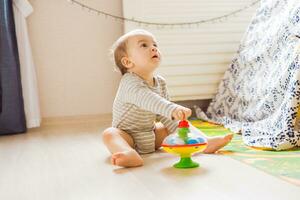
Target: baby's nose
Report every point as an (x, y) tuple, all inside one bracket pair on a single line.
[(154, 49)]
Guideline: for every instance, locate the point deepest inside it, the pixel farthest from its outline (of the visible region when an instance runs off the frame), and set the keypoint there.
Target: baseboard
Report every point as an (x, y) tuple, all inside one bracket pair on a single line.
[(101, 118)]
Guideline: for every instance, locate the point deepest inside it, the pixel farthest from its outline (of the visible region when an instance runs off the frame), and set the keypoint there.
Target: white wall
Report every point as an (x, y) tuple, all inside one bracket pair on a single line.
[(70, 49)]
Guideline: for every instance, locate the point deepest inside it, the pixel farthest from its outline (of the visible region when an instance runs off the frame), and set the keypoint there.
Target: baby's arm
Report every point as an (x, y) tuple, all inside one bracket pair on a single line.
[(138, 93), (180, 112)]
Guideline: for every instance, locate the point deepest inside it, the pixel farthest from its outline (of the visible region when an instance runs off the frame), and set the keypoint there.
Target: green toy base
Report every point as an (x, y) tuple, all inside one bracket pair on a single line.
[(186, 163)]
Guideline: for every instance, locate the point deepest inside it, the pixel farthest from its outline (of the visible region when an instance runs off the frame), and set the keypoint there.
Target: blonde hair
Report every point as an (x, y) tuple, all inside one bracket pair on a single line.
[(120, 47)]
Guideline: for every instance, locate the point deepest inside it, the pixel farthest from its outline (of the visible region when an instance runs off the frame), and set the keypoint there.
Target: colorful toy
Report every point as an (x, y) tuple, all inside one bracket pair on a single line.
[(184, 144)]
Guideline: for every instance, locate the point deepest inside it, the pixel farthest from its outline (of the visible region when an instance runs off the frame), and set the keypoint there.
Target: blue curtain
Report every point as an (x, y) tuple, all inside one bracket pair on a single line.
[(12, 116)]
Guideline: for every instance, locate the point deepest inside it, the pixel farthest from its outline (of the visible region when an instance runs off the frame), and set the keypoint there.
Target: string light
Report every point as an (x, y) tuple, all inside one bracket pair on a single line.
[(163, 24)]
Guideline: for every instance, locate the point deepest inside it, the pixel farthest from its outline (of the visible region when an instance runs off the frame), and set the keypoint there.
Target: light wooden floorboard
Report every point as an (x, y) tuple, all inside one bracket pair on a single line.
[(69, 162)]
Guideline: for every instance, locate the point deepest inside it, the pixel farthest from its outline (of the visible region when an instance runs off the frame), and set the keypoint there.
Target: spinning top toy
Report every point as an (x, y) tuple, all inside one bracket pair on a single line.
[(184, 143)]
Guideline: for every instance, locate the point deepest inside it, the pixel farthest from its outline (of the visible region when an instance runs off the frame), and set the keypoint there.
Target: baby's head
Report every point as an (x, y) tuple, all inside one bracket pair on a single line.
[(122, 46)]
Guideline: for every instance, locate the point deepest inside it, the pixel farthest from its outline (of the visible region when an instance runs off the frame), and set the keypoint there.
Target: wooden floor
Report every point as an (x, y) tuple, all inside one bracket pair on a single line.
[(67, 161)]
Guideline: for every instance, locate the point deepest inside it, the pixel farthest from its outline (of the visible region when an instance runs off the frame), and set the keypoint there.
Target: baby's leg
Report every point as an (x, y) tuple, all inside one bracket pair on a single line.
[(161, 132), (120, 144), (213, 143)]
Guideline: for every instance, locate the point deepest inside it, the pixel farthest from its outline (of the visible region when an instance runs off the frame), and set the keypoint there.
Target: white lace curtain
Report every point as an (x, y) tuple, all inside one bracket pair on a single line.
[(22, 9)]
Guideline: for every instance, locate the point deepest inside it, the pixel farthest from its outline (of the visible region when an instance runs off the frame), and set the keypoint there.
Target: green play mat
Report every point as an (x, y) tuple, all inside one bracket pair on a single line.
[(282, 164)]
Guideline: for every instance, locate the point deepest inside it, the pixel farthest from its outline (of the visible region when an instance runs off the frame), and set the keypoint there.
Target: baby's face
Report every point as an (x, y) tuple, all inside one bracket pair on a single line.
[(143, 53)]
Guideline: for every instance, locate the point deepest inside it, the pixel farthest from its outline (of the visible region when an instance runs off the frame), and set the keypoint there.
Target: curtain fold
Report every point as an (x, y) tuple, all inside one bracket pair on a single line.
[(12, 117)]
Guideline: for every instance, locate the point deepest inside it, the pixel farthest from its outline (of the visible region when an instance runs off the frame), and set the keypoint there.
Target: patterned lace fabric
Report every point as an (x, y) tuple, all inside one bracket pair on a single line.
[(260, 93)]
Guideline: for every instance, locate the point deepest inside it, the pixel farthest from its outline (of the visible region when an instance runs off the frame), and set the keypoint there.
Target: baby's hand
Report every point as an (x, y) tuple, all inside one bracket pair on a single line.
[(181, 113)]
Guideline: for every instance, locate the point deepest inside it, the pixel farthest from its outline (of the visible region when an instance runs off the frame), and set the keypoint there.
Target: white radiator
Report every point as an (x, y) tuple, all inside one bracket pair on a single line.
[(194, 59)]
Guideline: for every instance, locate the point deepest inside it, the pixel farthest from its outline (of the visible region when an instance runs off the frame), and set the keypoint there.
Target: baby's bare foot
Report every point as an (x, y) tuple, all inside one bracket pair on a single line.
[(127, 159), (216, 143)]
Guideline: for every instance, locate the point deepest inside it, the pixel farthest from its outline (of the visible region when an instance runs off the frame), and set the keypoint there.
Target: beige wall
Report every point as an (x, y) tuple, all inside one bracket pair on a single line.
[(70, 50)]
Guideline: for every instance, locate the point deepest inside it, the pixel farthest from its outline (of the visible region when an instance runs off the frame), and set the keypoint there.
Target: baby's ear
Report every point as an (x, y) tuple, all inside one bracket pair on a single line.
[(126, 62)]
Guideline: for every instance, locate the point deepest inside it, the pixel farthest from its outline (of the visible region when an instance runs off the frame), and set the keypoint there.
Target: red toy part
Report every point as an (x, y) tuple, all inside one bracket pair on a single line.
[(183, 124)]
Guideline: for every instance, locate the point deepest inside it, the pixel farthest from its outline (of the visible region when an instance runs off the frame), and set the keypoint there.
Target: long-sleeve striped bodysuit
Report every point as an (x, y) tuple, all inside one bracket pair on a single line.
[(137, 106)]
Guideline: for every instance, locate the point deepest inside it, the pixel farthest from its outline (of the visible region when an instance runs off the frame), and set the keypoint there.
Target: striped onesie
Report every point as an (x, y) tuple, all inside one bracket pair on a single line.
[(137, 106)]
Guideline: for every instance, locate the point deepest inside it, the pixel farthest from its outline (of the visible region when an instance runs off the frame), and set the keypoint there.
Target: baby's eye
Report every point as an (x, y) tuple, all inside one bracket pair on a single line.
[(143, 45), (155, 44)]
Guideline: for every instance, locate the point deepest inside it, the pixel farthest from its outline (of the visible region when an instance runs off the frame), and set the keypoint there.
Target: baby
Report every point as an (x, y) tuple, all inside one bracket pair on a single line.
[(142, 113)]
